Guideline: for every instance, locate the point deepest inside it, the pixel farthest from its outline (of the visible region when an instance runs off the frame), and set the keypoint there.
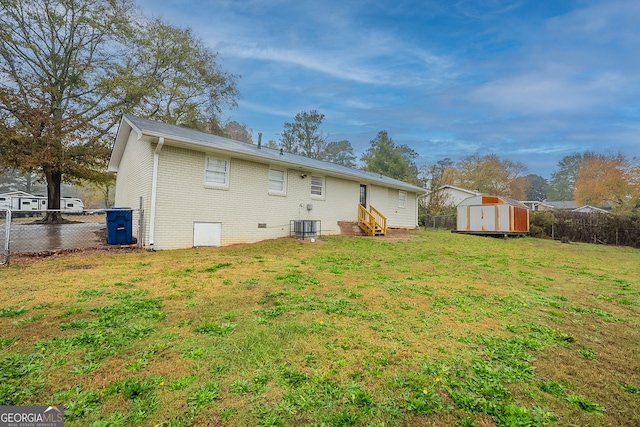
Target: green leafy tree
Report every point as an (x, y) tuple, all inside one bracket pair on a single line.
[(12, 180), (303, 136), (536, 188), (99, 194), (174, 77), (69, 68), (384, 157), (563, 181), (340, 152), (488, 174)]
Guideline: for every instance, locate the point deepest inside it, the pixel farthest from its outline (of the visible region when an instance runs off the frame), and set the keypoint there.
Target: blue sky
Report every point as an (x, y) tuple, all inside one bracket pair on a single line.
[(531, 80)]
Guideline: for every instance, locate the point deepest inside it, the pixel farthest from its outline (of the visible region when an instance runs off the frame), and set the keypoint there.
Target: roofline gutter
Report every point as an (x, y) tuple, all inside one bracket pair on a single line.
[(154, 192)]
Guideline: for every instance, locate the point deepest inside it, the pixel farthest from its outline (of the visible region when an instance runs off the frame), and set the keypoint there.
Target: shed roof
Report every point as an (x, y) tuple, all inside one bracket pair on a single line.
[(193, 139), (491, 200)]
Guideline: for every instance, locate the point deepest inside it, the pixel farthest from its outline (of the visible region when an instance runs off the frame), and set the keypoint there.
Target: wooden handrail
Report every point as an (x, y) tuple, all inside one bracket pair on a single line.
[(372, 222), (381, 220)]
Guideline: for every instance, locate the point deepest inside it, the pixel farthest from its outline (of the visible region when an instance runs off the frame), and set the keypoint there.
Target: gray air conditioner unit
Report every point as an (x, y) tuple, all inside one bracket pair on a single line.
[(304, 228)]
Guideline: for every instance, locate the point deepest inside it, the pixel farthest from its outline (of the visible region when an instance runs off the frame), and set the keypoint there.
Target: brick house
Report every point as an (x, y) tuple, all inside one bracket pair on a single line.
[(199, 189)]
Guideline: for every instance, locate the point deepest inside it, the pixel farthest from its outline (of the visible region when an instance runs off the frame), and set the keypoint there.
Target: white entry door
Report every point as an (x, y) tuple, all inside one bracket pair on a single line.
[(207, 233)]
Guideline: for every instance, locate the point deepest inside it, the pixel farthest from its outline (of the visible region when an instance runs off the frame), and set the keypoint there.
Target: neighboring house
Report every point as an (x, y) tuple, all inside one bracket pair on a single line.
[(536, 206), (492, 215), (200, 189), (450, 195), (564, 205), (590, 209)]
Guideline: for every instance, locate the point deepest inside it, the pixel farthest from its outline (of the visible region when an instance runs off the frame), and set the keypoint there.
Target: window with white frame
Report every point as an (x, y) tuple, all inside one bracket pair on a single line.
[(216, 172), (277, 181), (317, 186), (402, 199)]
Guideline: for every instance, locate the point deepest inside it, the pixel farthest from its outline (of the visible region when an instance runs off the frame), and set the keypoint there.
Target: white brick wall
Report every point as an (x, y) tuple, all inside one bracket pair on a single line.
[(134, 178)]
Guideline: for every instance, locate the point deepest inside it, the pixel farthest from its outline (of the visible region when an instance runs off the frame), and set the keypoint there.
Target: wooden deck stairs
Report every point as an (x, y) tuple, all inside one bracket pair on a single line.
[(372, 221)]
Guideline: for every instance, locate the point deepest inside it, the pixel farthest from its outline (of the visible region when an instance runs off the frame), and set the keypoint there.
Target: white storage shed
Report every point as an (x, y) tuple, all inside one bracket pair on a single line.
[(492, 215)]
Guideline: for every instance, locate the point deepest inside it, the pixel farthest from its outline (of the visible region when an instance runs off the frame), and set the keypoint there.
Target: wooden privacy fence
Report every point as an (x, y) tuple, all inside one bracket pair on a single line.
[(608, 229)]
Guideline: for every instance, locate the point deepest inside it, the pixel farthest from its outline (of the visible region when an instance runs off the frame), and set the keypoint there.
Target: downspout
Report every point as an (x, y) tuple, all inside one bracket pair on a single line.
[(154, 191), (418, 197)]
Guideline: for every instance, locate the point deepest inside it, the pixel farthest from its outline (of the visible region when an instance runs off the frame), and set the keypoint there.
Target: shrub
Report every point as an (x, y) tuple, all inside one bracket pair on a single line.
[(540, 223)]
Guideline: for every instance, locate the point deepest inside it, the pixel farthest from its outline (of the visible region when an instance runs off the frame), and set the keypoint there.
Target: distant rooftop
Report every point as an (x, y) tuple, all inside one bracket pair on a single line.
[(569, 204)]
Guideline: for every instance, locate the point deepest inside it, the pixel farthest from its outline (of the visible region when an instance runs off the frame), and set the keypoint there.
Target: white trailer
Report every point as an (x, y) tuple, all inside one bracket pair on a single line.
[(71, 204), (25, 203)]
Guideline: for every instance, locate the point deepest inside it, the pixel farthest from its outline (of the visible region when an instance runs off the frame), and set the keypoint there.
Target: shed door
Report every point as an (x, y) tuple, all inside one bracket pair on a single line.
[(207, 233), (482, 218)]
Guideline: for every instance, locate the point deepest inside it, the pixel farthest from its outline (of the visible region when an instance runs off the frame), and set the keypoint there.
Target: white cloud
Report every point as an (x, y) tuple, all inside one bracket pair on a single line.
[(533, 80), (539, 93), (326, 64), (577, 62)]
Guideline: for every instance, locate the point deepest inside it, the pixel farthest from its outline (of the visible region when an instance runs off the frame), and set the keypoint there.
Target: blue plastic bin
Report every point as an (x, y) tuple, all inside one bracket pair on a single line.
[(119, 226)]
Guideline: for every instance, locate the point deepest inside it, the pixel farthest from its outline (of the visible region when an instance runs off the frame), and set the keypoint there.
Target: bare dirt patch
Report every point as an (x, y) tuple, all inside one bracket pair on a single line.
[(28, 258)]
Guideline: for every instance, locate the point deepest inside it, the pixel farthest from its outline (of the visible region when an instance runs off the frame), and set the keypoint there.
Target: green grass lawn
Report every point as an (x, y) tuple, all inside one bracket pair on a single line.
[(427, 329)]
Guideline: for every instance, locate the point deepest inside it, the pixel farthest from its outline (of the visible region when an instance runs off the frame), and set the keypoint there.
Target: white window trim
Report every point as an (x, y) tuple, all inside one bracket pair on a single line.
[(401, 200), (324, 188), (227, 174), (284, 183)]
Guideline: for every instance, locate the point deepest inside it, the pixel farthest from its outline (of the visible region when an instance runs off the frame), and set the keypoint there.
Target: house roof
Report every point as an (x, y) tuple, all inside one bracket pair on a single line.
[(532, 203), (464, 190), (453, 187), (201, 141), (589, 209), (562, 204)]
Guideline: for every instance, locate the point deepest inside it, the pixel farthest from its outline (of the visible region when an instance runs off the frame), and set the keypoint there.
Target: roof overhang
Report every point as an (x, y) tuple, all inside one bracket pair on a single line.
[(240, 150)]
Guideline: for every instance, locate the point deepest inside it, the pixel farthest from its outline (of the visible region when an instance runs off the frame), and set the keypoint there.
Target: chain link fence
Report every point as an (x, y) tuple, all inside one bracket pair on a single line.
[(447, 222), (23, 234), (5, 228)]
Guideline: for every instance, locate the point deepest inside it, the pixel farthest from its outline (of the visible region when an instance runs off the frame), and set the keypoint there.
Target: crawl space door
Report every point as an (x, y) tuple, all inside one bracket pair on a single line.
[(207, 233)]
